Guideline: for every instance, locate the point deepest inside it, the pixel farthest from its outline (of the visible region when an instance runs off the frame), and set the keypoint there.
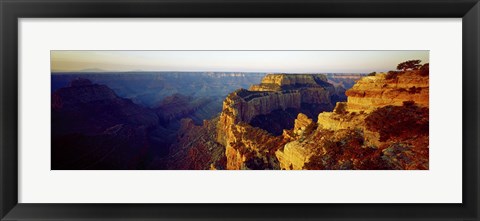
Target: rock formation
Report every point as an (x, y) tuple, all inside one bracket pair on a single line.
[(93, 128), (287, 121), (178, 106), (290, 156), (377, 91), (279, 82), (90, 108), (148, 89), (309, 94), (344, 80), (195, 148), (383, 125), (252, 147)]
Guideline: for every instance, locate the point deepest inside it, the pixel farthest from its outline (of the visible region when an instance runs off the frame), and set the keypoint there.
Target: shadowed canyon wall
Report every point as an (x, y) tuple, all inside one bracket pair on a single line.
[(253, 147), (282, 121)]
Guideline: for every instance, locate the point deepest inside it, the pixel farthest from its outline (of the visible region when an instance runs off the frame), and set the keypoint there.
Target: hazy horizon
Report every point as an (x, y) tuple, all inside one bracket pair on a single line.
[(141, 71), (232, 61)]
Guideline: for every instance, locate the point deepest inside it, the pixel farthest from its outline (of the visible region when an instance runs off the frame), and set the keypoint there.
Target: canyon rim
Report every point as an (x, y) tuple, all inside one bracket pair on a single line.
[(240, 110)]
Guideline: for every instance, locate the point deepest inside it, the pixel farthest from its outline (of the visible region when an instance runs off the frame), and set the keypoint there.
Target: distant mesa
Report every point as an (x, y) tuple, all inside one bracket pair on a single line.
[(281, 92), (92, 70), (79, 82), (87, 70), (277, 82)]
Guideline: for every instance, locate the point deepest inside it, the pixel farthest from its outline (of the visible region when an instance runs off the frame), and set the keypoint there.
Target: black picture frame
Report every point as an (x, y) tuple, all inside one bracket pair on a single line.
[(12, 10)]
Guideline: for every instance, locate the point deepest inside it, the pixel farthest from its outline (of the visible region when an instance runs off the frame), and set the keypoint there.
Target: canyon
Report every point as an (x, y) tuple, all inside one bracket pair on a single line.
[(236, 121), (94, 128), (127, 120), (149, 89), (252, 146), (383, 124)]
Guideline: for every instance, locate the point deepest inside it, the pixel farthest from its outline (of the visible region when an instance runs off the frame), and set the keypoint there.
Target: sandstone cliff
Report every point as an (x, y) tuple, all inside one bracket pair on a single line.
[(295, 122), (377, 91), (291, 156), (278, 82), (252, 147), (383, 125)]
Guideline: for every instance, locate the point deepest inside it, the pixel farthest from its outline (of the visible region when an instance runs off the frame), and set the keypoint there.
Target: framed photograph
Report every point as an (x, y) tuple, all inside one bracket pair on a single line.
[(227, 110)]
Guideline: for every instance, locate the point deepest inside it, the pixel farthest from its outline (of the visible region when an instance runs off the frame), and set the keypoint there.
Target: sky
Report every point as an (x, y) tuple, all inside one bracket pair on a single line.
[(235, 61)]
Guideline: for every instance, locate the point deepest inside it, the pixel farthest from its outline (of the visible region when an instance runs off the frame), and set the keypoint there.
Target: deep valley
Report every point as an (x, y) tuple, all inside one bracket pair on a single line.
[(240, 120)]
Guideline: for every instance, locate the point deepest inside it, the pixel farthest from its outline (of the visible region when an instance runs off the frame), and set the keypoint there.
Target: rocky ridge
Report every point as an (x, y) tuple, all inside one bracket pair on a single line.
[(93, 128), (252, 147), (383, 125), (380, 90)]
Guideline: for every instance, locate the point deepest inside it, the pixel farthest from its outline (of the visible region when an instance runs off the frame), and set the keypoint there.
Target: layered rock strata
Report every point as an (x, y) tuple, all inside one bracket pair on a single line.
[(383, 125), (275, 92), (377, 91)]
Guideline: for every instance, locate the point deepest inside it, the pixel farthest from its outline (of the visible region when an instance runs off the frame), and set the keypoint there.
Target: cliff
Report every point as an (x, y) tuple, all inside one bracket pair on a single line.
[(278, 92), (278, 82), (282, 97), (383, 125), (291, 156), (81, 91), (89, 108), (177, 106), (93, 128), (150, 88), (194, 149), (301, 122), (377, 91)]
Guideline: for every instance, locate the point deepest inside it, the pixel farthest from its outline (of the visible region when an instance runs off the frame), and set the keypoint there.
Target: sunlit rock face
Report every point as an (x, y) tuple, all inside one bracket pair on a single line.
[(248, 104), (302, 124), (278, 94), (376, 91), (383, 125), (293, 155), (278, 82)]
